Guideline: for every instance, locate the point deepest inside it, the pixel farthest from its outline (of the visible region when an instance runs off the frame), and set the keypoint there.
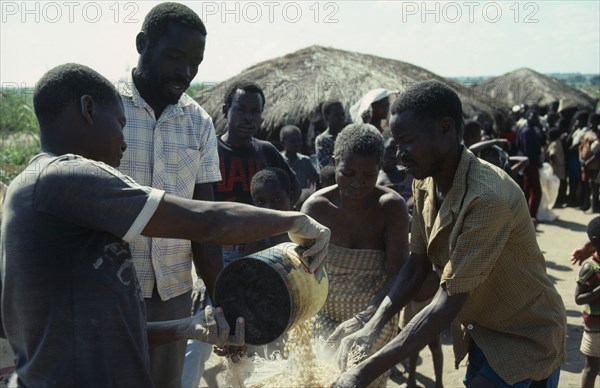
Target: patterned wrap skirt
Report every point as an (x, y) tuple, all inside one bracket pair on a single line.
[(355, 276)]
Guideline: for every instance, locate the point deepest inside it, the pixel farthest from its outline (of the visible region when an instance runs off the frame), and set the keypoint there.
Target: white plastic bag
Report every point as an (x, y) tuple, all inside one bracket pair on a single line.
[(550, 184)]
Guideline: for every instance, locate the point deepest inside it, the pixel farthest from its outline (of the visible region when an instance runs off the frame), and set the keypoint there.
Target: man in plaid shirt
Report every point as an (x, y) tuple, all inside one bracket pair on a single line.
[(172, 147)]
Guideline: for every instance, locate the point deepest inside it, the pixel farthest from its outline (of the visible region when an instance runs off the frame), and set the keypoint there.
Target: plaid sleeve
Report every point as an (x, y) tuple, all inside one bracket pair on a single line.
[(478, 245), (209, 157)]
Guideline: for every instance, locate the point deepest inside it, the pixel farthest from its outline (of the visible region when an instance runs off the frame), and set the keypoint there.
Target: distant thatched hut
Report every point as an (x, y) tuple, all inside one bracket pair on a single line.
[(526, 86), (296, 83)]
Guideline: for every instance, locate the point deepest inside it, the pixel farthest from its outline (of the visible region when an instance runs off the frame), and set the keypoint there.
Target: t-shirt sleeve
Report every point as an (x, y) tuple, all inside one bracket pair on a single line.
[(95, 196), (478, 245)]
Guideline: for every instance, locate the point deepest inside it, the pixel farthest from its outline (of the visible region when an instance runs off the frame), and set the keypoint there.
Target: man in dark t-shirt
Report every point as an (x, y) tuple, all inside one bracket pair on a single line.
[(241, 154), (71, 303)]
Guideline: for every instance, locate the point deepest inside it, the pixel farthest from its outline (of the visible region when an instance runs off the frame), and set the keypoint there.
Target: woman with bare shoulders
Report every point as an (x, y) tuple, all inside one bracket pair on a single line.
[(369, 231)]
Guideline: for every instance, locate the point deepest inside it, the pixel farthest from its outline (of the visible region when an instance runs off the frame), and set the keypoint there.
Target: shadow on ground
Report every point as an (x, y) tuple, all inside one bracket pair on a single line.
[(574, 226), (575, 363), (558, 267)]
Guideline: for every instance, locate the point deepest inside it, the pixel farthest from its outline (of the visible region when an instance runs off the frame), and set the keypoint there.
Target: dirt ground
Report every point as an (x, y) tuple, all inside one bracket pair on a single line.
[(557, 240)]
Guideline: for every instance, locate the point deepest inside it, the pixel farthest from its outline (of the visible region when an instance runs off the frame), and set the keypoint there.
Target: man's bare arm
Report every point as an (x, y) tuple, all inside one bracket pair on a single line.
[(419, 332), (207, 257), (233, 223)]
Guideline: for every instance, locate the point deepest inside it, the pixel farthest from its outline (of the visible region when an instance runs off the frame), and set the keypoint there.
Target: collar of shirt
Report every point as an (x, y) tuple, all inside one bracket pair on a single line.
[(452, 203), (127, 88)]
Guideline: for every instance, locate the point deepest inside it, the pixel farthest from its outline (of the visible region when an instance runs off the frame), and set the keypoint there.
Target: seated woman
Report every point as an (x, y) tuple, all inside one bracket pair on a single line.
[(369, 231)]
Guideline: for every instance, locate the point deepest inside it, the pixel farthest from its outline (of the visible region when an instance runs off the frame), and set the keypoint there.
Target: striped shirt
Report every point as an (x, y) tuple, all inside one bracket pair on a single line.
[(482, 242), (588, 279), (173, 153)]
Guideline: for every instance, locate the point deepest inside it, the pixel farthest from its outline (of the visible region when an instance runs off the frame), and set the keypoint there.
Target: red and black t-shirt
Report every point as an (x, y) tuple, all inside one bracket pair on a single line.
[(239, 164)]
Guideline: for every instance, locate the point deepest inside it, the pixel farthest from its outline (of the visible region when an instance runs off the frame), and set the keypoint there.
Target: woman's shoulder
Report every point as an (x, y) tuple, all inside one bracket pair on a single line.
[(320, 198), (389, 200)]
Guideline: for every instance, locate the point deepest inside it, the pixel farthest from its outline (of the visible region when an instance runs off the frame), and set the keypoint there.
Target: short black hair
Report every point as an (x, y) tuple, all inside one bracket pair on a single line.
[(327, 105), (65, 84), (287, 130), (593, 229), (582, 116), (431, 99), (553, 134), (472, 127), (326, 176), (247, 86), (274, 175), (159, 18), (362, 139)]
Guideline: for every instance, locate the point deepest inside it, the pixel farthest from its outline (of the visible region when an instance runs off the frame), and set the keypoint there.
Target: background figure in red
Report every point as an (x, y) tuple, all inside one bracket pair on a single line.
[(529, 144)]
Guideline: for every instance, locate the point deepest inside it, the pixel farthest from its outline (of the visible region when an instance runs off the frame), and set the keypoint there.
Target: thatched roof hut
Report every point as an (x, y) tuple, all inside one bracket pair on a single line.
[(526, 86), (296, 83)]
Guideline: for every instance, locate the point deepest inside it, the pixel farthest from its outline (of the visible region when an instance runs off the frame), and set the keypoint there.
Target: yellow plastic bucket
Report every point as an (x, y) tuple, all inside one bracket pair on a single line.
[(272, 290)]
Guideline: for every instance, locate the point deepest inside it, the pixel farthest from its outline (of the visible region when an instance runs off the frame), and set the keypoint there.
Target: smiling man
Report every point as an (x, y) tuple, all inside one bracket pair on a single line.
[(172, 147), (472, 223)]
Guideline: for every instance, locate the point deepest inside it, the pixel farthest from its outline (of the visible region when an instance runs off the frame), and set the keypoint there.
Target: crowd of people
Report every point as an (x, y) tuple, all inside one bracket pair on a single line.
[(133, 191)]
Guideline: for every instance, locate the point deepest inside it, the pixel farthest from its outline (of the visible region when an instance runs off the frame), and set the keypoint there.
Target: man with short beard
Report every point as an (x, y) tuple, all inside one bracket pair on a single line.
[(172, 147)]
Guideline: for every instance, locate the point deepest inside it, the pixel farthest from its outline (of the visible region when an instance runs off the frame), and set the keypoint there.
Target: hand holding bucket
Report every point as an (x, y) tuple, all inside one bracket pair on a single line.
[(309, 233), (272, 290)]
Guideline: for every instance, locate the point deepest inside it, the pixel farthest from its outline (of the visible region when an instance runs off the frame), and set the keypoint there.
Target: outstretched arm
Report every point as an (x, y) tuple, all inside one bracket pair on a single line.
[(582, 253), (234, 223), (367, 325), (419, 332), (479, 146)]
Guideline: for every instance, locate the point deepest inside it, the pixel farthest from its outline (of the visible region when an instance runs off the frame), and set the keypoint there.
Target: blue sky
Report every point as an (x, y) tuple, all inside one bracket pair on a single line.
[(460, 38)]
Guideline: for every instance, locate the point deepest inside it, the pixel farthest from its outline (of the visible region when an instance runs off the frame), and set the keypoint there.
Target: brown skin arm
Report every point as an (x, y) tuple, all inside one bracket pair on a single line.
[(479, 146), (396, 233), (582, 296), (216, 222), (582, 253), (296, 189), (388, 302), (233, 223), (422, 329), (208, 258)]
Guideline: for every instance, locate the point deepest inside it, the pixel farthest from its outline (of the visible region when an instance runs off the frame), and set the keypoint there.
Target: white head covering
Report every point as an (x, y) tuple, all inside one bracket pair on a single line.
[(365, 102)]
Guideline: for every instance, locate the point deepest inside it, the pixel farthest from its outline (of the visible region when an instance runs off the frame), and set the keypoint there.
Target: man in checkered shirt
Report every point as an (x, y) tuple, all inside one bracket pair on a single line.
[(171, 146)]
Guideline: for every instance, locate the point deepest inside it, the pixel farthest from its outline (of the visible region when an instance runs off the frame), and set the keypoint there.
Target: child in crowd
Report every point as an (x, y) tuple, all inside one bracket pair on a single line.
[(391, 175), (335, 118), (270, 189), (471, 133), (588, 294), (291, 138), (326, 177)]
